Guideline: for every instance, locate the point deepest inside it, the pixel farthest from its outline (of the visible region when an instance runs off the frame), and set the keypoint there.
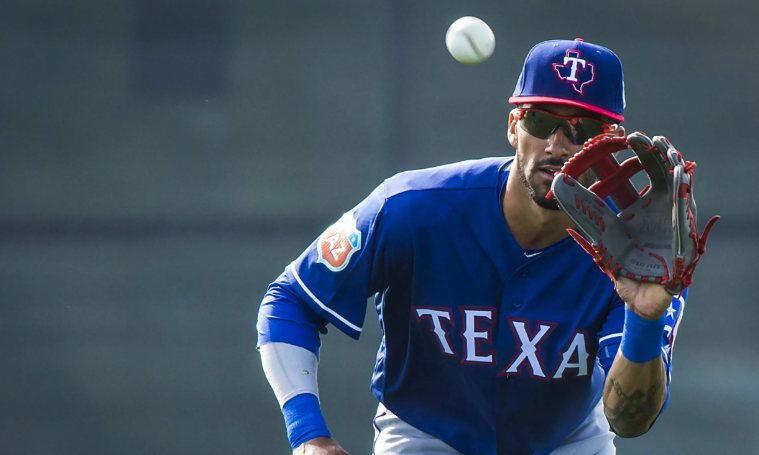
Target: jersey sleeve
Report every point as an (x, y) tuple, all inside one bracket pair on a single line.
[(610, 335), (673, 315), (283, 317), (345, 265)]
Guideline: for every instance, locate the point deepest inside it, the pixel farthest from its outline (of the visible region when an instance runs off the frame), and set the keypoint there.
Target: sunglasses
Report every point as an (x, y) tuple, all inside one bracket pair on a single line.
[(543, 124)]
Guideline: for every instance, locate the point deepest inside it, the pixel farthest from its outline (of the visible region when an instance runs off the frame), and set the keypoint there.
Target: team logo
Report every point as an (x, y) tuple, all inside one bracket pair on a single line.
[(576, 71), (338, 243)]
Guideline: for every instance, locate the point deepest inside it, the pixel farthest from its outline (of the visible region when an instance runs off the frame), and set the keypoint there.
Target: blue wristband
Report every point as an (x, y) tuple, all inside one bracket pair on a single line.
[(641, 338), (304, 419)]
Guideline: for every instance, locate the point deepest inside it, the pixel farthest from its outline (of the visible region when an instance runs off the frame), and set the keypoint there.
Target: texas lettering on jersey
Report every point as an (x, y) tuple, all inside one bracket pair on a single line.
[(476, 343)]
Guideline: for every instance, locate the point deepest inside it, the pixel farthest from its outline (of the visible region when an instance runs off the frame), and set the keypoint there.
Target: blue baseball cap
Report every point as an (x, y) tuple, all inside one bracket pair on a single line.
[(575, 73)]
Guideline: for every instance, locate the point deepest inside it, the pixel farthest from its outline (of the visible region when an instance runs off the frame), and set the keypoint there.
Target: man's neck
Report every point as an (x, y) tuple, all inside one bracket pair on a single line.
[(531, 225)]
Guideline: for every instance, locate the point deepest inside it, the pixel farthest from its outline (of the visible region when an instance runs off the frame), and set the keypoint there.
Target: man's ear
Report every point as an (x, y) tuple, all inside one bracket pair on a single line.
[(513, 129)]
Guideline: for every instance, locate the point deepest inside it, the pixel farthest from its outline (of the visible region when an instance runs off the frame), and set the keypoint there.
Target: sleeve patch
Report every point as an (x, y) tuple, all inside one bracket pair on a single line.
[(338, 243)]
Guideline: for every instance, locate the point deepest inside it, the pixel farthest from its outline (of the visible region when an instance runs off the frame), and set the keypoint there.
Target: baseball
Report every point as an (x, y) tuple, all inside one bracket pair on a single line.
[(470, 40)]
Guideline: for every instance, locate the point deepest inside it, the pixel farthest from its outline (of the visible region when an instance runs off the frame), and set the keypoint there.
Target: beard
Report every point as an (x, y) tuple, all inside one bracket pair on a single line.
[(538, 191)]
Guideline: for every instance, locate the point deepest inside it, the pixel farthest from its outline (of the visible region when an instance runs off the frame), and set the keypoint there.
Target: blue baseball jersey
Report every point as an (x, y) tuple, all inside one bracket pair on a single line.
[(487, 346)]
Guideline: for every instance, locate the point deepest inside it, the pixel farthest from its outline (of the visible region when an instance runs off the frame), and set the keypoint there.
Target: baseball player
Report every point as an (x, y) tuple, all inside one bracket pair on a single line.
[(501, 334)]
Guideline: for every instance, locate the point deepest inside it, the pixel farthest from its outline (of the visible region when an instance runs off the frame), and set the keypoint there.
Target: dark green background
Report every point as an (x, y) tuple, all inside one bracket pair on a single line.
[(138, 231)]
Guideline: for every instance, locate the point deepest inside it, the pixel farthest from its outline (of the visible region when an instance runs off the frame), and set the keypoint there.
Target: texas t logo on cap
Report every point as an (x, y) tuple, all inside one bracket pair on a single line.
[(575, 73), (575, 70)]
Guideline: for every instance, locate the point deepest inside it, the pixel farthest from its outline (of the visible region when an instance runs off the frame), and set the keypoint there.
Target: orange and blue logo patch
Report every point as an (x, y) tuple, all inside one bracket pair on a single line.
[(338, 243)]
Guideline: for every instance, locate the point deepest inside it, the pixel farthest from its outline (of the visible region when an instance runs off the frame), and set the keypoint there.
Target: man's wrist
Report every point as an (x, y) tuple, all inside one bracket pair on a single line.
[(641, 337), (304, 419), (648, 317)]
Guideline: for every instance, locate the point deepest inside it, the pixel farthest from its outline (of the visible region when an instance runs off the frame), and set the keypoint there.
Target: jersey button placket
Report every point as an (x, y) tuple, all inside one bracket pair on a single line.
[(517, 302)]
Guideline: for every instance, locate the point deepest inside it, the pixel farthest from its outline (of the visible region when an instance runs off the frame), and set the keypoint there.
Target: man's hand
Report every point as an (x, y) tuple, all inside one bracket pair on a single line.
[(647, 300), (320, 446)]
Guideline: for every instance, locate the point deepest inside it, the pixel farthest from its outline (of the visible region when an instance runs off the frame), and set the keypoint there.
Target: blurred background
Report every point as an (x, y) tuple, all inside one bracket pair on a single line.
[(161, 161)]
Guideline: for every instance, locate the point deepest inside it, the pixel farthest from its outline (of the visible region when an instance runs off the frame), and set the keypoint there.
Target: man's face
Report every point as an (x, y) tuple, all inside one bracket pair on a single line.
[(538, 159)]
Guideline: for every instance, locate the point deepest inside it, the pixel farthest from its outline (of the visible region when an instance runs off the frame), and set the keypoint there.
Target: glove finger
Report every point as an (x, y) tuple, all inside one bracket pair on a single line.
[(676, 159), (587, 211), (663, 144), (685, 221), (680, 210), (654, 158)]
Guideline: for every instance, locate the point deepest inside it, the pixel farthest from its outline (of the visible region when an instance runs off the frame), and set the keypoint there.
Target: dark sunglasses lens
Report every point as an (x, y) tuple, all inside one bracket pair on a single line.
[(542, 125), (584, 129)]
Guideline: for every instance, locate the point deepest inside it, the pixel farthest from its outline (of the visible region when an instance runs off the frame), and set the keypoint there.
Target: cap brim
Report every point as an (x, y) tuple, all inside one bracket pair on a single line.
[(548, 99)]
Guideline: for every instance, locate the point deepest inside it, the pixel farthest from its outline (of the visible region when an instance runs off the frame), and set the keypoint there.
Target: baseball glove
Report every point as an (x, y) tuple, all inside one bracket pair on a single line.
[(654, 237)]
